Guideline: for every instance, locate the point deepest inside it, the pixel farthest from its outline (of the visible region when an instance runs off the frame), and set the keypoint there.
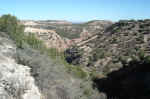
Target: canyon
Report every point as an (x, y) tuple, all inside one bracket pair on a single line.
[(63, 34), (57, 59)]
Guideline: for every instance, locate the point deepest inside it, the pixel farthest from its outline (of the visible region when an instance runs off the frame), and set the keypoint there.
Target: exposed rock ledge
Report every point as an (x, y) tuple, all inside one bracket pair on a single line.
[(16, 81), (50, 38)]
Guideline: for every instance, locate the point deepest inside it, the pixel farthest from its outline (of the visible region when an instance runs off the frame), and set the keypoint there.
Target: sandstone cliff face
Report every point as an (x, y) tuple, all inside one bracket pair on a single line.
[(16, 81)]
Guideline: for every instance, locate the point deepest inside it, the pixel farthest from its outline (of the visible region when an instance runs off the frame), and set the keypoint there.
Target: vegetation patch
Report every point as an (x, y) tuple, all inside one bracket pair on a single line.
[(11, 25)]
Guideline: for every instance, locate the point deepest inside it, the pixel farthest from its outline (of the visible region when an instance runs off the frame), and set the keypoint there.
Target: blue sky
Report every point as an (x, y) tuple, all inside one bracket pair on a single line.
[(77, 10)]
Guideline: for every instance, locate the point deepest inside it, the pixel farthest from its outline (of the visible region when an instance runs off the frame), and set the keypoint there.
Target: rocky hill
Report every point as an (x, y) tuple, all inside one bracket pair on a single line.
[(118, 58), (122, 41)]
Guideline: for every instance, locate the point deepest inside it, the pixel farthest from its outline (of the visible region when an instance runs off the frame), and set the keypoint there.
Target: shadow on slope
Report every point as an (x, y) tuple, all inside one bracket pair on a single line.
[(130, 82)]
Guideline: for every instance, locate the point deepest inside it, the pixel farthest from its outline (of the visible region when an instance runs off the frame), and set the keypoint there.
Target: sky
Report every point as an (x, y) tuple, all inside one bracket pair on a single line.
[(76, 10)]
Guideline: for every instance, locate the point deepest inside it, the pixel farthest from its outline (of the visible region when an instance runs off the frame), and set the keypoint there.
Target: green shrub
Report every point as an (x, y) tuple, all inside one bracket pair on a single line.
[(87, 91), (80, 73), (35, 43), (11, 25), (77, 71), (141, 54), (98, 54), (8, 23), (147, 59)]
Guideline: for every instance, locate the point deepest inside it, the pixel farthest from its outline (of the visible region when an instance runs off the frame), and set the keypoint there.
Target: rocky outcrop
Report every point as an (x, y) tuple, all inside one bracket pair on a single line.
[(50, 38), (16, 81)]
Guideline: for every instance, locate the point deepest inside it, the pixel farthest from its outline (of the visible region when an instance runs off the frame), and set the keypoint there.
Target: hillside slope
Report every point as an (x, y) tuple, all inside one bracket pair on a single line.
[(120, 42), (118, 59)]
